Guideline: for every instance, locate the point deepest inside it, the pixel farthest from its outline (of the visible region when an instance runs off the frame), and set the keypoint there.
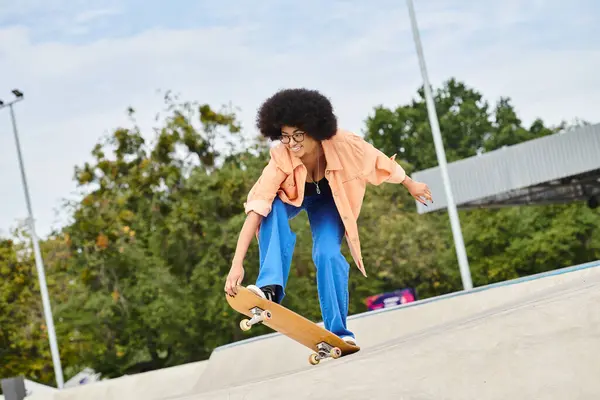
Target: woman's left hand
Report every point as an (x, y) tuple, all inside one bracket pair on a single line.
[(420, 191)]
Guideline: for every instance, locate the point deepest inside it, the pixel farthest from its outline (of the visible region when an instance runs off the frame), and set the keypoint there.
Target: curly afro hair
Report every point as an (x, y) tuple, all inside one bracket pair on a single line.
[(306, 109)]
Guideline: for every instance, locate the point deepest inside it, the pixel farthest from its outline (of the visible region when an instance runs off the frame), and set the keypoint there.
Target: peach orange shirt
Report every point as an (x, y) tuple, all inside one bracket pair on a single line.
[(351, 164)]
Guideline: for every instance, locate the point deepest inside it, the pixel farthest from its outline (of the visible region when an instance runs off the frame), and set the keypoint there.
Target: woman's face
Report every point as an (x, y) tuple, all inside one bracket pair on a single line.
[(298, 142)]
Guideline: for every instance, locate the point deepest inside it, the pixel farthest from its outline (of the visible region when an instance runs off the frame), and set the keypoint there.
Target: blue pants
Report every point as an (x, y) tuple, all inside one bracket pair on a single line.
[(276, 245)]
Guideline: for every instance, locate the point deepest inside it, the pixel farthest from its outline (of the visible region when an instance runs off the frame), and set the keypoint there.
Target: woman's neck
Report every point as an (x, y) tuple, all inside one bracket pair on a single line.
[(315, 163), (310, 160)]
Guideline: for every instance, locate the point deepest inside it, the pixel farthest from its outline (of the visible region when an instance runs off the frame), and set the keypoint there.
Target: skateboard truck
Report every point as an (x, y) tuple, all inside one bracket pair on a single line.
[(258, 315), (325, 351)]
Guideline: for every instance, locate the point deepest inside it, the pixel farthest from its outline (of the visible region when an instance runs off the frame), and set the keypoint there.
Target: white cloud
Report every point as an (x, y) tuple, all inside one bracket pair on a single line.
[(358, 56), (57, 17), (95, 14)]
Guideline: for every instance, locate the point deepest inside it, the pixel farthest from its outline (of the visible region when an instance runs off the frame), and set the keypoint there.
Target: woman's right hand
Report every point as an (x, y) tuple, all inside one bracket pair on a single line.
[(234, 279)]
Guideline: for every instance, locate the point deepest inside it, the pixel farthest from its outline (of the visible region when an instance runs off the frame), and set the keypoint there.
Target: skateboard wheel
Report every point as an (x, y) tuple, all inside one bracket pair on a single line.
[(266, 315), (313, 359), (244, 325), (336, 352)]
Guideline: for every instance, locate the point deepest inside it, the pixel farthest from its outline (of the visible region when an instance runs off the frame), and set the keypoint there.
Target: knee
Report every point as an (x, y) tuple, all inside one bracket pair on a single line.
[(326, 252)]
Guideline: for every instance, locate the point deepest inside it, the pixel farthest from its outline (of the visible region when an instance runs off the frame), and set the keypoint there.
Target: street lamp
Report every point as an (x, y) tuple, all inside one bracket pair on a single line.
[(459, 244), (36, 247)]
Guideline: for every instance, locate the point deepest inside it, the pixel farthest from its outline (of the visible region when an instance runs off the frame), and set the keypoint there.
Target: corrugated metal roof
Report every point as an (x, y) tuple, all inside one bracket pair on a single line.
[(510, 168)]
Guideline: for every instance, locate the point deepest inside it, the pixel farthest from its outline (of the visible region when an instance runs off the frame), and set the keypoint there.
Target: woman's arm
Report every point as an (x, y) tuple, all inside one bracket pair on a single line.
[(257, 206), (247, 233), (385, 169), (236, 273), (418, 190)]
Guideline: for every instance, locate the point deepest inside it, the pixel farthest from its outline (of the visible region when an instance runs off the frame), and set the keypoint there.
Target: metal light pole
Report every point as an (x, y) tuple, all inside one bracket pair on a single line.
[(459, 244), (36, 248)]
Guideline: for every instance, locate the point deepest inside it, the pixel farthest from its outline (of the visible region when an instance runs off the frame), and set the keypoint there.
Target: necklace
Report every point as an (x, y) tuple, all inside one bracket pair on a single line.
[(314, 180)]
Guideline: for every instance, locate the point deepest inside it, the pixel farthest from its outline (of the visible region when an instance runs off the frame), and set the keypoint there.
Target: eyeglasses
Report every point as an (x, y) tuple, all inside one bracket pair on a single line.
[(298, 137)]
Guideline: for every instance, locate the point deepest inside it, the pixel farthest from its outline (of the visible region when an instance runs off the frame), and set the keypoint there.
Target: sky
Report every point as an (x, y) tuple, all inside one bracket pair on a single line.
[(81, 64)]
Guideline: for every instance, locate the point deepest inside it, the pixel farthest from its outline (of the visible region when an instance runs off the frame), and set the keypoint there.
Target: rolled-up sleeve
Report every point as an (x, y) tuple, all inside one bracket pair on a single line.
[(261, 196), (380, 168)]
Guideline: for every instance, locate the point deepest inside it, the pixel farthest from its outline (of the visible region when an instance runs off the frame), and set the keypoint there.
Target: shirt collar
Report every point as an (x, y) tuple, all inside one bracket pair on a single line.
[(331, 155)]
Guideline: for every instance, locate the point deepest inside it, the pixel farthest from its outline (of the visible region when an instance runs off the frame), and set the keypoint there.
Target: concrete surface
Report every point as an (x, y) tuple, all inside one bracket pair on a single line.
[(532, 338), (154, 385), (537, 338)]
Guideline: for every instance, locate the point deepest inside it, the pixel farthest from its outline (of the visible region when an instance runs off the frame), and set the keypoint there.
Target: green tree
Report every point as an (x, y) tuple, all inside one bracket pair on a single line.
[(520, 241), (501, 244), (24, 345), (468, 126), (136, 242)]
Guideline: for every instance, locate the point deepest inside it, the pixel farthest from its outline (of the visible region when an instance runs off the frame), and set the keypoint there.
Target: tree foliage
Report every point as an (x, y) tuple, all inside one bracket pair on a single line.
[(468, 124), (136, 278), (501, 244)]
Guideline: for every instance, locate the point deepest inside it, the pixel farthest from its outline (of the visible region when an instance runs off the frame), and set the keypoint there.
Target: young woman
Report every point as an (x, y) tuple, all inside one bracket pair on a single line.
[(323, 170)]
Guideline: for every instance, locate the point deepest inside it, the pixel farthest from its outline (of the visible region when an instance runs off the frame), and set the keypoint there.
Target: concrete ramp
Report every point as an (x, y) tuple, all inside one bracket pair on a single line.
[(162, 384), (533, 338)]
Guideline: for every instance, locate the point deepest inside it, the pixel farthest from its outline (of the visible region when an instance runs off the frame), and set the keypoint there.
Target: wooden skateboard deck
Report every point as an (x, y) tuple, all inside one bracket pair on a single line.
[(324, 343)]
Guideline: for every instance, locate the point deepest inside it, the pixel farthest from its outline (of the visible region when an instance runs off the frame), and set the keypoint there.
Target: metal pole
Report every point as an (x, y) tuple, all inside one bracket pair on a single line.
[(459, 244), (39, 262)]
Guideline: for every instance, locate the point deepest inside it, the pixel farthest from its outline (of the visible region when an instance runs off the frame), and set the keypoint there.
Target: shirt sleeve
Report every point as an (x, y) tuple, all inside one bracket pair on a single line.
[(261, 196), (380, 168)]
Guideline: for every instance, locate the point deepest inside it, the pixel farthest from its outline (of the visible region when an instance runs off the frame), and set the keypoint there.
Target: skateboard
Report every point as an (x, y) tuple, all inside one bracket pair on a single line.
[(324, 343)]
